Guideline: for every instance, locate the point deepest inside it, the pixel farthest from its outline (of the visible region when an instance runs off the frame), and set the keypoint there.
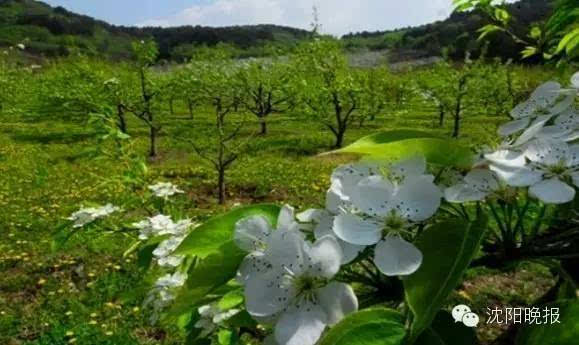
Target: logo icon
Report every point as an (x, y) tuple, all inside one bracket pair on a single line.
[(463, 313)]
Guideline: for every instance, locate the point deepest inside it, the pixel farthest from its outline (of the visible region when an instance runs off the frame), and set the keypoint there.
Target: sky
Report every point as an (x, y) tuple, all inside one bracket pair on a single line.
[(336, 17)]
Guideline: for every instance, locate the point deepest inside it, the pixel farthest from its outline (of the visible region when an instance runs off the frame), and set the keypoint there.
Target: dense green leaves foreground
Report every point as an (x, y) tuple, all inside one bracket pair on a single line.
[(448, 249), (400, 144)]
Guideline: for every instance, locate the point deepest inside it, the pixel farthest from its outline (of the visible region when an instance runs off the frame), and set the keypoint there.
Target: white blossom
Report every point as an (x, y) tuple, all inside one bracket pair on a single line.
[(163, 252), (321, 221), (255, 234), (162, 225), (165, 189), (545, 102), (297, 291), (211, 316), (548, 167), (21, 46), (88, 215), (477, 185), (162, 293), (385, 210), (565, 127)]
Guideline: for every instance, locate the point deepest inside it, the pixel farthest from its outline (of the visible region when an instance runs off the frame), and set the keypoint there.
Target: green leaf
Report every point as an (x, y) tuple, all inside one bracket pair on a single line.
[(488, 29), (145, 254), (209, 237), (567, 40), (207, 276), (242, 319), (61, 235), (502, 16), (379, 326), (400, 144), (529, 51), (564, 333), (444, 331), (535, 32), (231, 300), (226, 337), (448, 249)]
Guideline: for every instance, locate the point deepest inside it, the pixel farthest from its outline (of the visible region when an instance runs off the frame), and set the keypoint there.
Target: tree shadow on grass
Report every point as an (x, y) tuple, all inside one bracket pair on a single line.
[(53, 138)]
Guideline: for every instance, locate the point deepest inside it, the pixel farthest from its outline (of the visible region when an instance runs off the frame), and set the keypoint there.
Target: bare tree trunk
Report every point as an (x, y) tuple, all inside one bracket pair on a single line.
[(441, 116), (263, 125), (190, 107), (340, 137), (221, 185), (152, 142), (122, 121)]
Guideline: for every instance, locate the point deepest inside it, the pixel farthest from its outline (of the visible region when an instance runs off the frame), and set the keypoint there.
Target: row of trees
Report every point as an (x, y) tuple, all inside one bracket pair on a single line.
[(316, 84)]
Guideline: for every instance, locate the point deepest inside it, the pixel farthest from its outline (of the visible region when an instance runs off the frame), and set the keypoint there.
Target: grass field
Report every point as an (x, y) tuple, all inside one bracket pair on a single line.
[(87, 293)]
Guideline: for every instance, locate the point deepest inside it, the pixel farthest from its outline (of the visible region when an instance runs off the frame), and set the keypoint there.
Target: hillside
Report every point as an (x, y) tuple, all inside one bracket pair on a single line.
[(456, 34), (55, 31)]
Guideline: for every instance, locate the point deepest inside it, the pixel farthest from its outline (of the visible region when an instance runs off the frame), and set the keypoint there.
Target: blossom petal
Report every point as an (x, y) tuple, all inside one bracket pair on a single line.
[(547, 152), (333, 201), (337, 300), (418, 198), (346, 177), (517, 176), (267, 293), (395, 257), (285, 220), (251, 233), (325, 228), (563, 103), (514, 126), (463, 192), (285, 249), (410, 167), (372, 195), (575, 80), (572, 158), (356, 230), (532, 131), (311, 215), (252, 265), (575, 177), (301, 325), (326, 255), (552, 191), (506, 158)]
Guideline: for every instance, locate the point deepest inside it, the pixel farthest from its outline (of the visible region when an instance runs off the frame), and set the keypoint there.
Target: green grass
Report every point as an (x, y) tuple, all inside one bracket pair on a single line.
[(86, 292)]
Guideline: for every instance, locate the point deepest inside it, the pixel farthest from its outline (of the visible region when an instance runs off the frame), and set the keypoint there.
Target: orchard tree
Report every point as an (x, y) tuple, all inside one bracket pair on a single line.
[(265, 91), (189, 81), (221, 147), (327, 86), (448, 86), (146, 53), (122, 95), (72, 88)]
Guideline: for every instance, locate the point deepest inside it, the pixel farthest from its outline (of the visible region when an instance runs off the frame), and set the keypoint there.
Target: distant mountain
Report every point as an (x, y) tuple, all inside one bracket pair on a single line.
[(55, 31), (456, 34)]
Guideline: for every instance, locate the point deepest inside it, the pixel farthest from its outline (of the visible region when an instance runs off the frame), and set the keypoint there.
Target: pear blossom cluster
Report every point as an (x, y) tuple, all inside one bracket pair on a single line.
[(539, 151), (163, 292), (164, 190), (289, 281), (160, 225), (374, 211), (88, 215), (211, 316)]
